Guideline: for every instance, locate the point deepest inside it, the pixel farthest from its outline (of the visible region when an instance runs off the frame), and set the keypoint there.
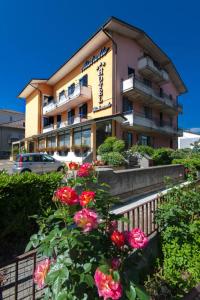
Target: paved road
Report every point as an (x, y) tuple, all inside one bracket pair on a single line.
[(6, 164)]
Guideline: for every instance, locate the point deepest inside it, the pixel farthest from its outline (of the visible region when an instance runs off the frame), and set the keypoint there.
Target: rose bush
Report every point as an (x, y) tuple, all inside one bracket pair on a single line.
[(85, 252)]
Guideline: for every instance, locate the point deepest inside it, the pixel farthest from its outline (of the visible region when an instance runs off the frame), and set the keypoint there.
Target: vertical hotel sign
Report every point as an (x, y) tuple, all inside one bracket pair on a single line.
[(100, 70)]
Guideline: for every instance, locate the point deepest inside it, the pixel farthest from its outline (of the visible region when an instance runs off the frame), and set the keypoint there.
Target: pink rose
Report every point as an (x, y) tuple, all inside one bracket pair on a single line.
[(137, 238), (41, 272), (107, 287), (86, 219)]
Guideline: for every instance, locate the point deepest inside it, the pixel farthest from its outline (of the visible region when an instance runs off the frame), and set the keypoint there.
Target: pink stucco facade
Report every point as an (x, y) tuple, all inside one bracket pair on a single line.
[(128, 54)]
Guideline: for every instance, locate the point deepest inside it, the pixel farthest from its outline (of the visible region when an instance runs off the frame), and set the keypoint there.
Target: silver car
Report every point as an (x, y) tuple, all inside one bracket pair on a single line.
[(37, 163)]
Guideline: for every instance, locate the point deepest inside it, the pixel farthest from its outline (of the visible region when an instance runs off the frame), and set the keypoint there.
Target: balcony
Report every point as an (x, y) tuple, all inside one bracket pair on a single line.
[(150, 70), (72, 121), (79, 95), (139, 122), (137, 90)]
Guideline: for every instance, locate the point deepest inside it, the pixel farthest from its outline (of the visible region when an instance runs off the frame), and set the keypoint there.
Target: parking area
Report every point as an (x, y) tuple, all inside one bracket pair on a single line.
[(6, 164)]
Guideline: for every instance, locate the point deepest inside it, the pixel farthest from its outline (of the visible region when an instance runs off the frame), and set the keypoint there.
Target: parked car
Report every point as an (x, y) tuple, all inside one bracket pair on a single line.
[(37, 163)]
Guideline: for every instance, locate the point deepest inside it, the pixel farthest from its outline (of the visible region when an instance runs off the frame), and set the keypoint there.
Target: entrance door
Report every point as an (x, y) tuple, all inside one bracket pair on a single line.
[(103, 130)]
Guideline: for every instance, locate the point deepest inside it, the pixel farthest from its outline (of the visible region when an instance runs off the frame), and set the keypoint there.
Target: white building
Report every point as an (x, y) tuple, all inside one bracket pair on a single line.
[(187, 140)]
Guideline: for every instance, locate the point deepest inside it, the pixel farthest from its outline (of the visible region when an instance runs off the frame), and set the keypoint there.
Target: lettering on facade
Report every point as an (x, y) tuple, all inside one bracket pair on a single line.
[(100, 70), (102, 107), (95, 58)]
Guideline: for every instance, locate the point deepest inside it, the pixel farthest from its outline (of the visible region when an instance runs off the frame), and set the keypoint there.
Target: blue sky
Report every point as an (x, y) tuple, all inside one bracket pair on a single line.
[(36, 37)]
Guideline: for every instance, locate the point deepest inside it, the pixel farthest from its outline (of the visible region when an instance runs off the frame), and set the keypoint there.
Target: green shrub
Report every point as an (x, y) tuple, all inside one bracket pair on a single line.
[(190, 163), (182, 259), (178, 220), (162, 156), (142, 149), (113, 159), (104, 148), (119, 146), (181, 153), (110, 140), (22, 196)]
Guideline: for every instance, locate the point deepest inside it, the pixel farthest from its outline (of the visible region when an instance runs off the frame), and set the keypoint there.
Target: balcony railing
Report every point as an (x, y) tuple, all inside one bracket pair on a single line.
[(140, 122), (147, 67), (71, 121), (79, 95), (138, 90)]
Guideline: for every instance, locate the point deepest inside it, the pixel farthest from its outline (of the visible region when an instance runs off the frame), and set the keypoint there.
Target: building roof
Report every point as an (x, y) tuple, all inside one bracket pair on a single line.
[(9, 111), (123, 28)]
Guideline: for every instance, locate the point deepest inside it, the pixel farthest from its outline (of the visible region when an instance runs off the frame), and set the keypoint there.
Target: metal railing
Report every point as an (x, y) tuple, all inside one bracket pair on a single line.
[(141, 86), (17, 278), (58, 102)]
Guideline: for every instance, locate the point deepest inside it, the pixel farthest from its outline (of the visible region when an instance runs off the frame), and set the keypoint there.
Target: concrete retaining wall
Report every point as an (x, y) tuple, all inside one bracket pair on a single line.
[(125, 183)]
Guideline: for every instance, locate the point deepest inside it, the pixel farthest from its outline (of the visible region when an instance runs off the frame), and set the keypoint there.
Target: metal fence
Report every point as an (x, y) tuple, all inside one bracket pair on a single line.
[(141, 216), (18, 275), (17, 278)]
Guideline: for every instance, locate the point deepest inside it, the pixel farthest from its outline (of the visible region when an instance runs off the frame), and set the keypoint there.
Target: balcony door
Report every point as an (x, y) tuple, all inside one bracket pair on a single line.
[(70, 116), (83, 110)]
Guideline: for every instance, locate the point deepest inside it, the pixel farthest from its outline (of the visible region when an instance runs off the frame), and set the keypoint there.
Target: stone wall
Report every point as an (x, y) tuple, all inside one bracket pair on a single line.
[(125, 183)]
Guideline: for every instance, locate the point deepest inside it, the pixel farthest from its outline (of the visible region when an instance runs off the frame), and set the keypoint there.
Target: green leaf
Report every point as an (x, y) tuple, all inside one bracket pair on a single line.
[(116, 276), (105, 269), (89, 280), (131, 294), (141, 294), (87, 267), (62, 295)]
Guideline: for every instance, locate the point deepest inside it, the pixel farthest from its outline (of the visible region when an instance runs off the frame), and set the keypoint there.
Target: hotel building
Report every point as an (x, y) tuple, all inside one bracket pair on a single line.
[(119, 83)]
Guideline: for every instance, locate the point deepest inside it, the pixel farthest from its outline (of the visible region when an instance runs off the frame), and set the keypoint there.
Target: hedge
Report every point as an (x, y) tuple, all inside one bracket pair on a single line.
[(22, 196)]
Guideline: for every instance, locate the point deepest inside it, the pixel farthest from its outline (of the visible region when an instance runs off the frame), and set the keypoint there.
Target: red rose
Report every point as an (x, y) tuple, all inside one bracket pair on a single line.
[(86, 197), (73, 166), (118, 238), (67, 195)]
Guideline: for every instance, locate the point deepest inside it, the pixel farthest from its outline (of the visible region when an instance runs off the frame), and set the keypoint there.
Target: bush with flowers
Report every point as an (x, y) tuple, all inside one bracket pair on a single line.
[(84, 252)]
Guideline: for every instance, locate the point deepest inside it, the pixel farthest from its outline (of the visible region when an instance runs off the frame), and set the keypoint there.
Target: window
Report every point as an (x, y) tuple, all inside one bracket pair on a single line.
[(11, 118), (83, 111), (48, 121), (37, 158), (47, 158), (145, 140), (84, 80), (128, 139), (62, 95), (71, 89), (47, 100), (82, 141), (41, 144), (147, 82), (161, 92), (51, 141), (127, 105), (148, 112), (70, 116), (58, 119), (131, 72), (64, 140)]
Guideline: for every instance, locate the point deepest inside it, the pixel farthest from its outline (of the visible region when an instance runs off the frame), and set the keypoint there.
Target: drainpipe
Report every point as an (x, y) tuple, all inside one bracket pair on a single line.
[(115, 66)]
